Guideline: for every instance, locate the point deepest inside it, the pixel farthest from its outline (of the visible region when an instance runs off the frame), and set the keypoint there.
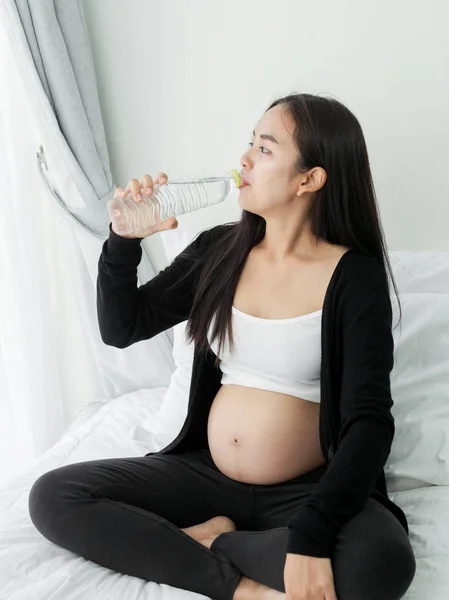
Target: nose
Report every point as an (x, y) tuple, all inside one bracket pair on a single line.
[(245, 161)]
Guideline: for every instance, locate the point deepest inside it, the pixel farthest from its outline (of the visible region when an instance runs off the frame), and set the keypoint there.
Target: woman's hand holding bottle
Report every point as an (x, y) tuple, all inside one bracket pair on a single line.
[(133, 193)]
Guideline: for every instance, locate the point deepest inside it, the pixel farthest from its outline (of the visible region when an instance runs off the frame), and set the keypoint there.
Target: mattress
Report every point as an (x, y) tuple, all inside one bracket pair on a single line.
[(31, 567)]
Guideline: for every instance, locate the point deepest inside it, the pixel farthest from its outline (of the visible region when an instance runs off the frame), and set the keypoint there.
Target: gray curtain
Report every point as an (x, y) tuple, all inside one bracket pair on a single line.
[(53, 35), (58, 41)]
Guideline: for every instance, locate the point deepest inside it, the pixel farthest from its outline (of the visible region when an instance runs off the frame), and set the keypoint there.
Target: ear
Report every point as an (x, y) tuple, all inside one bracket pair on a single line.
[(313, 181)]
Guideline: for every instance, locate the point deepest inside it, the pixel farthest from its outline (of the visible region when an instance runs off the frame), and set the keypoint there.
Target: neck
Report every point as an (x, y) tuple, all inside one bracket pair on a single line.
[(287, 239)]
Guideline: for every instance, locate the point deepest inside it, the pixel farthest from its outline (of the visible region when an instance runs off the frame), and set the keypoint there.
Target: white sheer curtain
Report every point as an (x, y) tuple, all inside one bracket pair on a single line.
[(43, 379), (52, 360)]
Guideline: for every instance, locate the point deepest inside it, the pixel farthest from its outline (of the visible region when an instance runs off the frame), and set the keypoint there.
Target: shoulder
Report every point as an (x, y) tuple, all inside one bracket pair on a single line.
[(197, 250), (359, 280), (203, 239), (358, 294), (209, 236), (361, 271)]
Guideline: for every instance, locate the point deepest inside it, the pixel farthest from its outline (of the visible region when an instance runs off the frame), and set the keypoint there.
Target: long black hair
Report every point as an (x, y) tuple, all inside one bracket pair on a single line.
[(343, 211)]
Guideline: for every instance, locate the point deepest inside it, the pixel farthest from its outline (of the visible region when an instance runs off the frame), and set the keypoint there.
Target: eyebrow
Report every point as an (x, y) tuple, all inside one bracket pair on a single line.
[(267, 136)]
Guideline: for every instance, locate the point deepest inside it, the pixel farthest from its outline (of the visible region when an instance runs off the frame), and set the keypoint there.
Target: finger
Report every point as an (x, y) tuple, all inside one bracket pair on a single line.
[(118, 191), (131, 188), (134, 186), (147, 184), (162, 177)]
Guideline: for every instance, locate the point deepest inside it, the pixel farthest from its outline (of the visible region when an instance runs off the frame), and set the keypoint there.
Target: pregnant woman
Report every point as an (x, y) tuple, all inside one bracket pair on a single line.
[(275, 486)]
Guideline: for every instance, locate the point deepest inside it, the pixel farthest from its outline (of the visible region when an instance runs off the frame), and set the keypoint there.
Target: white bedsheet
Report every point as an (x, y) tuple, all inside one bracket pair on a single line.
[(31, 567)]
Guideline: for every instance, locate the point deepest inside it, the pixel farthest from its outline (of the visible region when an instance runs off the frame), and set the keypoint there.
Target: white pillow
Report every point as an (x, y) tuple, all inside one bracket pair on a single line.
[(420, 377), (419, 380)]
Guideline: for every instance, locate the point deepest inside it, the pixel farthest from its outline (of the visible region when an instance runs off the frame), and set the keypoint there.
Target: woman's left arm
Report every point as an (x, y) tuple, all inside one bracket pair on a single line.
[(366, 428)]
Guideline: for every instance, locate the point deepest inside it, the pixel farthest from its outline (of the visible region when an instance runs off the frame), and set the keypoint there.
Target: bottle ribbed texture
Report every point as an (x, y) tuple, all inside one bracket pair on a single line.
[(177, 197)]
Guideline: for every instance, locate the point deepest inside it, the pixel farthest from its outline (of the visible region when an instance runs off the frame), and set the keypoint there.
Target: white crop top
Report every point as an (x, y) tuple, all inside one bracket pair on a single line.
[(280, 355)]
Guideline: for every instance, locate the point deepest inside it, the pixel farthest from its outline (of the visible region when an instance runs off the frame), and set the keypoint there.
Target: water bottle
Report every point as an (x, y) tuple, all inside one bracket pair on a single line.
[(177, 197)]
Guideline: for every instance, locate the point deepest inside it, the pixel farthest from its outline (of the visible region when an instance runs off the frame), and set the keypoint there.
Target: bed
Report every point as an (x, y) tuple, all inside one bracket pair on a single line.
[(32, 568)]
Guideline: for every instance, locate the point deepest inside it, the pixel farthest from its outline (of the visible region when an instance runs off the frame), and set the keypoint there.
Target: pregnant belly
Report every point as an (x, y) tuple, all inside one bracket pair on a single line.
[(263, 437)]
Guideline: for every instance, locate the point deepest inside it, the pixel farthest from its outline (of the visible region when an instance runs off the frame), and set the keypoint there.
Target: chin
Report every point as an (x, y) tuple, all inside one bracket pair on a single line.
[(242, 192)]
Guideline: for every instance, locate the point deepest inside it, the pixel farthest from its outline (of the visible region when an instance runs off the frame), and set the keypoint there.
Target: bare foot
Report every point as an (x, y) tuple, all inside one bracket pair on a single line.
[(206, 532), (248, 589)]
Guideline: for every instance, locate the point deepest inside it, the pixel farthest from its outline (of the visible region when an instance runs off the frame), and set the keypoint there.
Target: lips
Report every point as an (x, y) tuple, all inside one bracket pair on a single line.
[(243, 181)]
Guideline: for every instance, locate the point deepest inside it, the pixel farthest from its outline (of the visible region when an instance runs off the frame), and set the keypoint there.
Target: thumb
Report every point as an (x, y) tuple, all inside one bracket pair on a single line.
[(170, 223), (331, 595)]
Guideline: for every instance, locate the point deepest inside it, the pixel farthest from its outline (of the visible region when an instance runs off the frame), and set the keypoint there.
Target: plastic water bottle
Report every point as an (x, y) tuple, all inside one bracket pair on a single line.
[(177, 197)]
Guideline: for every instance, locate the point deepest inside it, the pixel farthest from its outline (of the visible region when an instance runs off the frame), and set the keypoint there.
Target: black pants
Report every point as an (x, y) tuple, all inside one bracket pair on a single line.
[(126, 514)]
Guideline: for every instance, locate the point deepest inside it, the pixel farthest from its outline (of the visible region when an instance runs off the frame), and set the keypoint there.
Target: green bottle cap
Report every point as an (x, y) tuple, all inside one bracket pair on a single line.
[(235, 175)]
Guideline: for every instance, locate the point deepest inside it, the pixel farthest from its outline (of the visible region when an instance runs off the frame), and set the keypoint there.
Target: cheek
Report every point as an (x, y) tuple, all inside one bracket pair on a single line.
[(273, 178), (268, 187)]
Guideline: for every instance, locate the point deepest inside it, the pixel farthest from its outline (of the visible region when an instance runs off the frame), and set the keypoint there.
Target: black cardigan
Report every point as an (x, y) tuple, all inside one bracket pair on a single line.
[(356, 426)]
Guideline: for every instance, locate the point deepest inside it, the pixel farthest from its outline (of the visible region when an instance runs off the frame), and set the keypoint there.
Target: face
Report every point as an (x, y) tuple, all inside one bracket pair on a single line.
[(268, 165)]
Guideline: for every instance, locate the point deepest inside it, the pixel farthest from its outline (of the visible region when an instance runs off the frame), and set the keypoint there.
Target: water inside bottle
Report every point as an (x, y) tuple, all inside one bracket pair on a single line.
[(180, 197)]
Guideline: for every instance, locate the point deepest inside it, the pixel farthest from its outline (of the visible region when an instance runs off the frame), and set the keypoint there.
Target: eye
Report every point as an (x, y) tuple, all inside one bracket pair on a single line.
[(268, 151)]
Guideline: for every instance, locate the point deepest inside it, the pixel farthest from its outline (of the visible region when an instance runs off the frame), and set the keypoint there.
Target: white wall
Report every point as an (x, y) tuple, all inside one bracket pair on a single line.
[(182, 84)]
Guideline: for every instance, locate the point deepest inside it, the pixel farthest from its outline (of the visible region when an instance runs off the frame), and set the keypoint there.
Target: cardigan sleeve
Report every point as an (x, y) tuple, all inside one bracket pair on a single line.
[(127, 313), (366, 429)]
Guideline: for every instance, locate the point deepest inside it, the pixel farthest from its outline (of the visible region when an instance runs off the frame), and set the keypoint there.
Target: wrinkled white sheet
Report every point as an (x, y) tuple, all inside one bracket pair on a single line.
[(31, 567)]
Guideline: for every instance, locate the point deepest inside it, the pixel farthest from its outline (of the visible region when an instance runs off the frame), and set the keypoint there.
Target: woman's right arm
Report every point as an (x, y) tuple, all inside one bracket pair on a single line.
[(128, 314)]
